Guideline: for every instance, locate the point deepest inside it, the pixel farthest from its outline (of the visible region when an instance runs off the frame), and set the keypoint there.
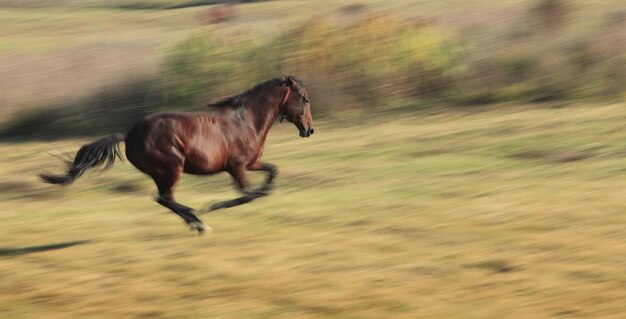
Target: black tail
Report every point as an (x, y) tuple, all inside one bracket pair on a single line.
[(101, 152)]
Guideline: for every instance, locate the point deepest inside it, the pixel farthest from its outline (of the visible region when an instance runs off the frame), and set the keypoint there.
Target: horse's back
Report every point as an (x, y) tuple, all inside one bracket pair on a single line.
[(188, 141), (157, 130)]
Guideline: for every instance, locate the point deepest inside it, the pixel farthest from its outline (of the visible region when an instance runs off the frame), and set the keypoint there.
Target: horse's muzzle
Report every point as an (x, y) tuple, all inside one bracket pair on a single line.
[(307, 133)]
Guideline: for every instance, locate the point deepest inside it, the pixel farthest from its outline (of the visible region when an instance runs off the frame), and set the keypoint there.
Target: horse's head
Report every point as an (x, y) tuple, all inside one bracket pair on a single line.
[(296, 107)]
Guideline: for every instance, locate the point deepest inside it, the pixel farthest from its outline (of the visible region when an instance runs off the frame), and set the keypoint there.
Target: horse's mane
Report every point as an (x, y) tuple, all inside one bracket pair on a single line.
[(237, 100)]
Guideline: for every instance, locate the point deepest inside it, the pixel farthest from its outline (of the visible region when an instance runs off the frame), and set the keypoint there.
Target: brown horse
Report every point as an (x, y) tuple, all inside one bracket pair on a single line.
[(229, 138)]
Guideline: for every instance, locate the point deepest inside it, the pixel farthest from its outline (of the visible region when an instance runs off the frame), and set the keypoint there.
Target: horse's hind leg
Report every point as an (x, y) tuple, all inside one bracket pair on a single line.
[(186, 213), (166, 198)]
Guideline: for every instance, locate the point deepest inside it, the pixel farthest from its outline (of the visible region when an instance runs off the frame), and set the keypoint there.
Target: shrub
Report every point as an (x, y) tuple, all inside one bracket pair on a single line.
[(372, 62)]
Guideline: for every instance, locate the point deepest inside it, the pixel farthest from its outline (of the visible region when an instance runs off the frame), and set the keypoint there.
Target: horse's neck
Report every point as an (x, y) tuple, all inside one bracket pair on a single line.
[(266, 111)]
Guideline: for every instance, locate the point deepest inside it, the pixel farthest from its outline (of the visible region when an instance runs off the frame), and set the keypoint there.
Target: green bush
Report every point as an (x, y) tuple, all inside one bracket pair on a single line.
[(373, 62), (383, 60)]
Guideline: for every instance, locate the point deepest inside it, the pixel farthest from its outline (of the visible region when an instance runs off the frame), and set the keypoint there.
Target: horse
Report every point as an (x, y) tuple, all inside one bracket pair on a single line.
[(229, 137)]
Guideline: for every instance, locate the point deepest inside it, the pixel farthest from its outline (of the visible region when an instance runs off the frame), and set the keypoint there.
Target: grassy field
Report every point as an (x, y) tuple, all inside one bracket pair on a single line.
[(503, 211), (509, 212)]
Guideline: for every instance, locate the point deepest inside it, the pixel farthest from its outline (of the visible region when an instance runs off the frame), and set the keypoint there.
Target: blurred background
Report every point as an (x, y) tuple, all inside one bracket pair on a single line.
[(468, 160), (129, 58)]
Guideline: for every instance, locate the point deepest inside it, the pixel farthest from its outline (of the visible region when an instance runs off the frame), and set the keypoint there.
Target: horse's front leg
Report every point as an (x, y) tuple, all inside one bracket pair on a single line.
[(271, 170), (241, 180)]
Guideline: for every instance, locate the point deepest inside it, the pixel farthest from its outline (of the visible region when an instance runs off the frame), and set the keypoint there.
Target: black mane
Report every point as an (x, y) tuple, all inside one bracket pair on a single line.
[(237, 100)]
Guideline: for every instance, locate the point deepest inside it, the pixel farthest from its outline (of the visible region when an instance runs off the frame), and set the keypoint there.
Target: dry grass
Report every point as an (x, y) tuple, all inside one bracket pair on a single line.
[(56, 56), (460, 214), (507, 212)]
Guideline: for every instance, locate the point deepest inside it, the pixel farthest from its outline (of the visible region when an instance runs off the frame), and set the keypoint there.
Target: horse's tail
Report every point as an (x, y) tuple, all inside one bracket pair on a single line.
[(101, 152)]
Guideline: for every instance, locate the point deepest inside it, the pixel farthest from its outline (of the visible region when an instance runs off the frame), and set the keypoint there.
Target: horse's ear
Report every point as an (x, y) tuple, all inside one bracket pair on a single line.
[(291, 81)]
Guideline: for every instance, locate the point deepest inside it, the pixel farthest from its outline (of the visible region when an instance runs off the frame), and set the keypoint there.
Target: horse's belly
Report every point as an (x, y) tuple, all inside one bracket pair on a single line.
[(202, 162)]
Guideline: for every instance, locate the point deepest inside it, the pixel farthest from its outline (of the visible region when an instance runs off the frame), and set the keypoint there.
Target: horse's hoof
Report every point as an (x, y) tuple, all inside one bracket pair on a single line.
[(200, 227)]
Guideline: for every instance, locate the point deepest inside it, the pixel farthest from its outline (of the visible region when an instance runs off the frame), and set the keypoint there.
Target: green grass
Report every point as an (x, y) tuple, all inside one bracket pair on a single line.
[(424, 215)]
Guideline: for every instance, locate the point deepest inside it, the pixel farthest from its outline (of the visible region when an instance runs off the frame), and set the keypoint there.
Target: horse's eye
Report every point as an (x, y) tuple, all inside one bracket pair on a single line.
[(306, 99)]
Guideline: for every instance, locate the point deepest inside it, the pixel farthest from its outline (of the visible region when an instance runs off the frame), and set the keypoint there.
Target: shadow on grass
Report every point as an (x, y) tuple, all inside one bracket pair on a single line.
[(11, 252), (112, 109)]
